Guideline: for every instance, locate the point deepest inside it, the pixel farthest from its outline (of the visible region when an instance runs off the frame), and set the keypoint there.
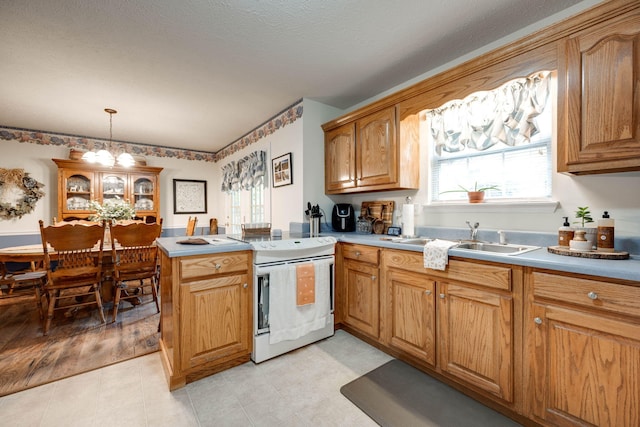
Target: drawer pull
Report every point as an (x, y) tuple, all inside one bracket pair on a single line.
[(442, 296), (427, 292), (592, 295), (245, 285), (357, 253), (373, 277), (537, 320), (217, 266)]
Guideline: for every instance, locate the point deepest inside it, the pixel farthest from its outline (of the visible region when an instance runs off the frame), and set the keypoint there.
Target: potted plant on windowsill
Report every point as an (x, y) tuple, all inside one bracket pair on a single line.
[(476, 195)]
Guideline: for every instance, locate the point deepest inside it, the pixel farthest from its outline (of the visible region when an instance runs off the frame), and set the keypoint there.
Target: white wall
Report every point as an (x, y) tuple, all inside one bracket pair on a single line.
[(36, 159)]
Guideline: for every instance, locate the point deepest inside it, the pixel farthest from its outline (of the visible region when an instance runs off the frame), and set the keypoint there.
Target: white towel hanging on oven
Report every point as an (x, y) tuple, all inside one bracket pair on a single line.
[(287, 320)]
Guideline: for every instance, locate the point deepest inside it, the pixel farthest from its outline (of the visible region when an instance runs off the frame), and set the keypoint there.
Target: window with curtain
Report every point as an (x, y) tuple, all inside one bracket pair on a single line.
[(496, 138), (247, 173)]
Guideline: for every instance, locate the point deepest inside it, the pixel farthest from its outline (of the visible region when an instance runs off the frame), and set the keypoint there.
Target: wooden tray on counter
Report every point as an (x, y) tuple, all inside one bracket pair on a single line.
[(563, 250)]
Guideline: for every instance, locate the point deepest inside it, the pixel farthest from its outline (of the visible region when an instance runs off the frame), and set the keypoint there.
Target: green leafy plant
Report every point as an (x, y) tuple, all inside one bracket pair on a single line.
[(475, 189), (583, 215), (115, 210)]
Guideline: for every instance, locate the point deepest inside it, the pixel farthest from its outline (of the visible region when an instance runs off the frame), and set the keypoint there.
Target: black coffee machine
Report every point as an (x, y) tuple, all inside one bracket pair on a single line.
[(343, 218)]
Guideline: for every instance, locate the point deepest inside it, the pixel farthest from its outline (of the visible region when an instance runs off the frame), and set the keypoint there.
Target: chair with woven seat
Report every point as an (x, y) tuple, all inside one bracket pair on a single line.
[(191, 225), (16, 284), (135, 264), (73, 260)]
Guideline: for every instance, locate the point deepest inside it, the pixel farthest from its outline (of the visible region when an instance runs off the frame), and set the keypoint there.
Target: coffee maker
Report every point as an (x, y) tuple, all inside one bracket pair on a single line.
[(343, 217)]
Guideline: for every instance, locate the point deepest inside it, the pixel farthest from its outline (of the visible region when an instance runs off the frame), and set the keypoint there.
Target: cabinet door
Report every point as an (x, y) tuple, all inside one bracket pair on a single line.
[(340, 161), (411, 314), (143, 194), (585, 368), (76, 190), (603, 99), (362, 297), (376, 150), (475, 328), (215, 319), (113, 188)]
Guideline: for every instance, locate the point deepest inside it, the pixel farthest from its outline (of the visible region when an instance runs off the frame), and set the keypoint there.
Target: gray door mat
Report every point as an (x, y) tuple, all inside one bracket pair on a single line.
[(397, 394)]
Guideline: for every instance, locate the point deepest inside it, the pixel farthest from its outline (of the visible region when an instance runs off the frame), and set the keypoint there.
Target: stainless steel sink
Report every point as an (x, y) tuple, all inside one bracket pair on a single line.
[(508, 249), (418, 241)]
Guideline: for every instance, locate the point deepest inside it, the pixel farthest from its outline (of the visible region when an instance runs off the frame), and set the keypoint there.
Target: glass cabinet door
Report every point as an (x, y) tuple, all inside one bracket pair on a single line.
[(77, 191), (112, 188), (143, 194)]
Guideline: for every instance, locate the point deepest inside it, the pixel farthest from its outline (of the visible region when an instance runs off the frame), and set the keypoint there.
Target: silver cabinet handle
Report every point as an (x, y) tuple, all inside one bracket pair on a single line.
[(357, 253), (442, 296), (427, 292), (373, 277), (217, 266), (245, 285), (537, 320), (592, 295)]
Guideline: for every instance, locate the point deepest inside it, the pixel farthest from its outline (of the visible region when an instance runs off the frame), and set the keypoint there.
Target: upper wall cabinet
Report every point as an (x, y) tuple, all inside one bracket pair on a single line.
[(599, 98), (366, 155), (80, 182)]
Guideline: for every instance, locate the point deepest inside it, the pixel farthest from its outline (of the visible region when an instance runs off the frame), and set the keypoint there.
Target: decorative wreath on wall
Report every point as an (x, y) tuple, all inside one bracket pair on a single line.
[(19, 193)]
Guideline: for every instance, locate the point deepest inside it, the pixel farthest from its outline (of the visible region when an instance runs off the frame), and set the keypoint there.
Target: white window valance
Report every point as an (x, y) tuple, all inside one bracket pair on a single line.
[(483, 119), (246, 173)]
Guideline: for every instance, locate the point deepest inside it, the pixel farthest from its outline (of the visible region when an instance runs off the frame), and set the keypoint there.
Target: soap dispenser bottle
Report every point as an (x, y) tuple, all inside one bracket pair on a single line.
[(605, 233), (565, 233)]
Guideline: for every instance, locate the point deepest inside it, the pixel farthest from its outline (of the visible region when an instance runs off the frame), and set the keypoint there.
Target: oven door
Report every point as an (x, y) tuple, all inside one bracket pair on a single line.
[(263, 283)]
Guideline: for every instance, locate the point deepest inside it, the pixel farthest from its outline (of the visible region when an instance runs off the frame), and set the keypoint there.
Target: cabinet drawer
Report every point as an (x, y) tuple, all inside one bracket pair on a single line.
[(209, 265), (605, 296), (361, 253), (491, 276)]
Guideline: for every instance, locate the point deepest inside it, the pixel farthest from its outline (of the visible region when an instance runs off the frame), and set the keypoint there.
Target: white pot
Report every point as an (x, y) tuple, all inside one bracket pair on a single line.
[(591, 235)]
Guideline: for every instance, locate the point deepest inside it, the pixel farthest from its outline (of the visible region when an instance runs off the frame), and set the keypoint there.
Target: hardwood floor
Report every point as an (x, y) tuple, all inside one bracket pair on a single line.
[(75, 344)]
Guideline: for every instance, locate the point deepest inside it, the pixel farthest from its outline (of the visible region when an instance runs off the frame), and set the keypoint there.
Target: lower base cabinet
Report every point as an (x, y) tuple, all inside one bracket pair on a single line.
[(206, 315), (583, 351), (458, 322)]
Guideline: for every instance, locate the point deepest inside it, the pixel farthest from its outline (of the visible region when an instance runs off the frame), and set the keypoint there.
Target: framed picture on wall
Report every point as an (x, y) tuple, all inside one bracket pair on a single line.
[(282, 170), (189, 196)]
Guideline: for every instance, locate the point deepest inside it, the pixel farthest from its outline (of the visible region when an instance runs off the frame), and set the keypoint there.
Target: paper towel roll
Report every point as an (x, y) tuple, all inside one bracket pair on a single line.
[(408, 227)]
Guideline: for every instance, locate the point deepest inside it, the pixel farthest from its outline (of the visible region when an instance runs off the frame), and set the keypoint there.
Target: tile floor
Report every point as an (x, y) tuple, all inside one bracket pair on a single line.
[(301, 388)]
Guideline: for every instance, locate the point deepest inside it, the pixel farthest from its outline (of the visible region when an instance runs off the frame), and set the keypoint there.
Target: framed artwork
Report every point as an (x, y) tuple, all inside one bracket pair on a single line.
[(189, 196), (282, 170)]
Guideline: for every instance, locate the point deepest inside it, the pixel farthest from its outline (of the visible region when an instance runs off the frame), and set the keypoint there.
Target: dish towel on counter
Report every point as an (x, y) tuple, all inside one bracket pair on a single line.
[(287, 320), (305, 284), (436, 254)]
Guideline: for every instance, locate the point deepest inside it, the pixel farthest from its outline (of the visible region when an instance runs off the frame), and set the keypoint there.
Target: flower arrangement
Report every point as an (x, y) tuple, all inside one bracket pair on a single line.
[(114, 210)]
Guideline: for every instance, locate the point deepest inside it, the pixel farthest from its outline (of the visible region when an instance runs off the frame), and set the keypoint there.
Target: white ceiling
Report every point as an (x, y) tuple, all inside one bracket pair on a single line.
[(200, 74)]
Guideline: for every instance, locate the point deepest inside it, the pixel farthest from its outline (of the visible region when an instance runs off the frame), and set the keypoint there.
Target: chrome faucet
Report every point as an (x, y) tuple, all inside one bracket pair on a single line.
[(474, 230)]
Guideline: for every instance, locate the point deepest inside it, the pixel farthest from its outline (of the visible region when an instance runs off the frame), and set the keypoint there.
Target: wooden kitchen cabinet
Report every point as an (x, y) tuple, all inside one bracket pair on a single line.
[(475, 337), (410, 319), (583, 351), (206, 315), (366, 155), (361, 293), (458, 322), (599, 98), (80, 182)]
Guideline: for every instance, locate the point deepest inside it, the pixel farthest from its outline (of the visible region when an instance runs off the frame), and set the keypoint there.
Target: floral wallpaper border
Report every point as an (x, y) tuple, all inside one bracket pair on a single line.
[(82, 143), (280, 120)]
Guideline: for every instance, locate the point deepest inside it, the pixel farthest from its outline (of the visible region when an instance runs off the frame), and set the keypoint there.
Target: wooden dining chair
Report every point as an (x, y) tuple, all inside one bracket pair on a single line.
[(191, 225), (135, 262), (213, 226), (21, 283), (73, 261)]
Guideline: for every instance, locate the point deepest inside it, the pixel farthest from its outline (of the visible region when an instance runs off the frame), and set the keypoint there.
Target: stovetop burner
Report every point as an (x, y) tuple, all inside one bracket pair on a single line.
[(290, 246)]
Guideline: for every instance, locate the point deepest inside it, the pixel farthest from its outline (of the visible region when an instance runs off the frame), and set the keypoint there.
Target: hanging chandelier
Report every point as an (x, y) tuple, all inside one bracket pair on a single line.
[(104, 156)]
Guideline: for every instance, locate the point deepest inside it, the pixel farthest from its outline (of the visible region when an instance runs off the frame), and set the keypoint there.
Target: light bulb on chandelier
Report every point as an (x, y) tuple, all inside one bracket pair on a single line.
[(104, 156)]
